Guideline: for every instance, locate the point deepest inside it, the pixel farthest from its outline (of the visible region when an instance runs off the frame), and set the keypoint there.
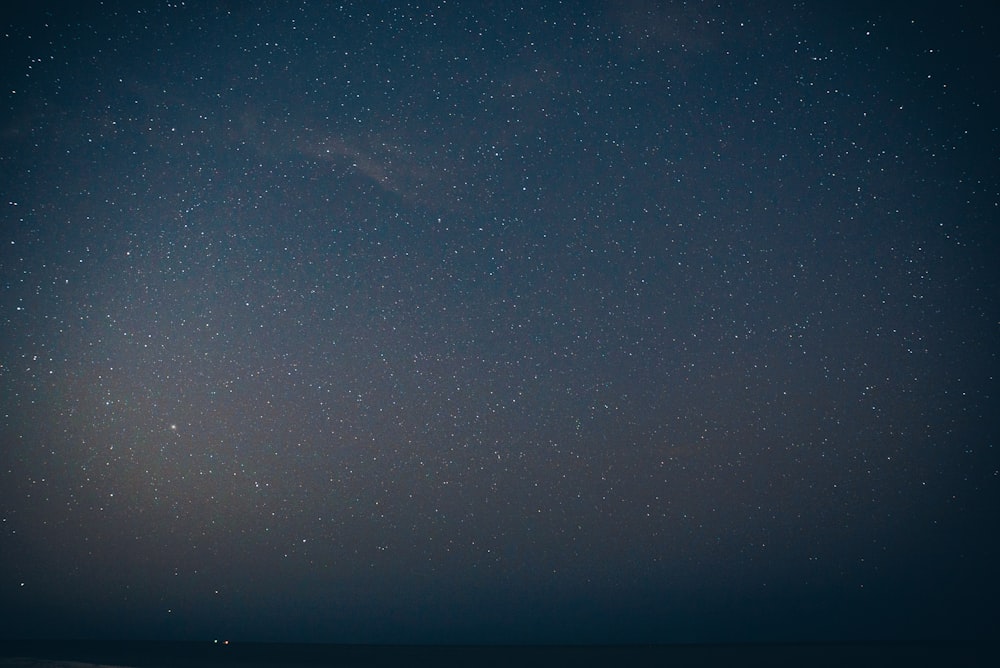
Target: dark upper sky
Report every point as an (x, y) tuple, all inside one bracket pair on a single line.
[(470, 322)]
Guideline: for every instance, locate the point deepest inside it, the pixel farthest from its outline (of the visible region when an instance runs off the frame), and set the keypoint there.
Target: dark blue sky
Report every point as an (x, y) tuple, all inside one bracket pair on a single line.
[(470, 322)]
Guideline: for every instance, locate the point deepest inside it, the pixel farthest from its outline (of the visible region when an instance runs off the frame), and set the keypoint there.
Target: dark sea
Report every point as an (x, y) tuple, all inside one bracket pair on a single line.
[(80, 654)]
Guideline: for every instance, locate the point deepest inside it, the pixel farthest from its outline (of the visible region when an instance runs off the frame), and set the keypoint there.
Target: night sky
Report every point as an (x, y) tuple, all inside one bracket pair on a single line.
[(476, 322)]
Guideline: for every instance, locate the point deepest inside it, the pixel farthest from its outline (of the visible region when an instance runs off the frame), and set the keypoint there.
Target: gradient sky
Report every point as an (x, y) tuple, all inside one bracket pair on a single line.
[(472, 322)]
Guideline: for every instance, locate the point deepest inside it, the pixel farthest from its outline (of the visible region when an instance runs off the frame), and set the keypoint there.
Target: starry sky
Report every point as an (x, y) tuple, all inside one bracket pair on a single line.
[(484, 322)]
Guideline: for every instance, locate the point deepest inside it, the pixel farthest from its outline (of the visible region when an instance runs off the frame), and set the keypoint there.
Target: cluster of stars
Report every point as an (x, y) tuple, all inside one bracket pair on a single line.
[(400, 305)]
